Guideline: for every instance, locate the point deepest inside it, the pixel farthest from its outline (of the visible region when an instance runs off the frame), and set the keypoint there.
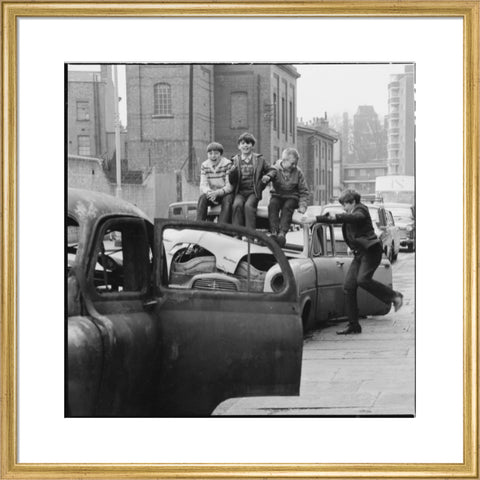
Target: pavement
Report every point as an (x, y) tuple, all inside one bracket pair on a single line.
[(353, 375)]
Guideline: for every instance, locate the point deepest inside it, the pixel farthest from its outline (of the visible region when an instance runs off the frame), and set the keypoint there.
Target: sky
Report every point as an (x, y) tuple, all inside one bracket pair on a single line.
[(330, 88), (342, 88)]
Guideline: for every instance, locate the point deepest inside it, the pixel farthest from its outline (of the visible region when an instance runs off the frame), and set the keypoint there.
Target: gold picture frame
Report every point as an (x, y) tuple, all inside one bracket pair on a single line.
[(467, 10)]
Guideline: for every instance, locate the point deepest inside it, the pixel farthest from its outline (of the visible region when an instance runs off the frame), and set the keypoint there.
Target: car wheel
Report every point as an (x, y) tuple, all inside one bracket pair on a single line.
[(410, 247), (390, 255), (306, 317)]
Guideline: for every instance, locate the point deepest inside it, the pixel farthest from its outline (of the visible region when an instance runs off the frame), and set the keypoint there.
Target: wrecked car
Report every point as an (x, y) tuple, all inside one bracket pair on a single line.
[(318, 260), (156, 327)]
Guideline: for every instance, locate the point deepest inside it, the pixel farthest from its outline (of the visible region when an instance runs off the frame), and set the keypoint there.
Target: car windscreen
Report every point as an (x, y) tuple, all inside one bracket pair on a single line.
[(401, 214), (333, 210)]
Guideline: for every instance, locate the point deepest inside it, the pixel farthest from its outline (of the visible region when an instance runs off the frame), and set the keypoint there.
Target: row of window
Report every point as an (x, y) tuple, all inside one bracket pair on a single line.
[(162, 106), (162, 102)]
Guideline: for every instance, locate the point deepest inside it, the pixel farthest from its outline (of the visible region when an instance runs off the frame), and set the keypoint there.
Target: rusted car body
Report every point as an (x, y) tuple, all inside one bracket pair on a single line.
[(142, 342)]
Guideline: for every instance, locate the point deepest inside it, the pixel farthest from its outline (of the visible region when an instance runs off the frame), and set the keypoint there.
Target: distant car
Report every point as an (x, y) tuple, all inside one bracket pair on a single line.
[(186, 210), (383, 224), (404, 215)]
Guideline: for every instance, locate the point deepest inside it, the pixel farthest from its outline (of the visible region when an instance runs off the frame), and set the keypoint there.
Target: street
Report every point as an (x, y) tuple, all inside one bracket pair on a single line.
[(356, 375)]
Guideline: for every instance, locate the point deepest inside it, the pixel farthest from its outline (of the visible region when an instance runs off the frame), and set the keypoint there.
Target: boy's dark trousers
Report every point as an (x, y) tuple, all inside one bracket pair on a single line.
[(287, 206), (360, 274), (245, 210), (225, 212)]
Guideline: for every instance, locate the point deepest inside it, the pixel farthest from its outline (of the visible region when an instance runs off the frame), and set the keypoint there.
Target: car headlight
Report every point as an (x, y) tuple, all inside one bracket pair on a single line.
[(409, 228), (277, 282)]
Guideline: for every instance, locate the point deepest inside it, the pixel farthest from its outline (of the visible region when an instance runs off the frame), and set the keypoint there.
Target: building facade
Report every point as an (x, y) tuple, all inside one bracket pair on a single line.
[(260, 99), (361, 176), (170, 112), (316, 149), (90, 113), (175, 111), (401, 123)]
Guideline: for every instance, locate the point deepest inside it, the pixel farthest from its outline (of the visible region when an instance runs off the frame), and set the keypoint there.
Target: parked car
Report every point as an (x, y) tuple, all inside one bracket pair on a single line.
[(143, 342), (404, 215), (383, 224), (186, 209)]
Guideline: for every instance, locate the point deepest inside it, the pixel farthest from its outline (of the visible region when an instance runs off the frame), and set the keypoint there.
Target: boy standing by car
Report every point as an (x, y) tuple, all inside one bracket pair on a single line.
[(289, 192), (249, 175), (215, 187), (359, 235)]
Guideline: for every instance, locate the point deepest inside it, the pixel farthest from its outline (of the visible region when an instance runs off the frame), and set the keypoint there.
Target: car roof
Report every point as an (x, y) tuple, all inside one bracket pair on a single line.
[(92, 205), (189, 203), (398, 205)]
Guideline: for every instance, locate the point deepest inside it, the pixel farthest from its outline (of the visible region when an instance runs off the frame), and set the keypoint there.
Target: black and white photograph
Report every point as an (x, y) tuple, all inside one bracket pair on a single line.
[(240, 240)]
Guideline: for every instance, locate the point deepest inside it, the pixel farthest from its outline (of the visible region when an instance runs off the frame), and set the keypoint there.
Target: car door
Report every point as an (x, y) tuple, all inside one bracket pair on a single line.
[(329, 269), (221, 335), (340, 262), (113, 356)]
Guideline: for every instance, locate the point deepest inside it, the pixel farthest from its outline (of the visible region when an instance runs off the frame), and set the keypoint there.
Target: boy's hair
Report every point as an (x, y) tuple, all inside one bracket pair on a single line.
[(247, 138), (293, 152), (215, 147), (349, 196)]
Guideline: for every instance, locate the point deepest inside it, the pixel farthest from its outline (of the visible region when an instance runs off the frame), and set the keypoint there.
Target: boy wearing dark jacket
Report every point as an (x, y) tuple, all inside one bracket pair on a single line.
[(360, 236), (289, 192), (249, 175)]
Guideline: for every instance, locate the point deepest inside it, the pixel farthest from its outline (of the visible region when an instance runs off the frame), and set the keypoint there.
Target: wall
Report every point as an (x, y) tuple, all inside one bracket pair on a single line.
[(163, 141), (87, 173), (257, 82)]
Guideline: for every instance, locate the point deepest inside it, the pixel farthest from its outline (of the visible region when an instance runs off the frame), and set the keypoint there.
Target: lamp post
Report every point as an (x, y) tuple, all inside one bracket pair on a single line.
[(118, 156)]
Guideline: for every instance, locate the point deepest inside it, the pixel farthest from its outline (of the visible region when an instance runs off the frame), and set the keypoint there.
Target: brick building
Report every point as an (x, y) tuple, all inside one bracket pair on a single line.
[(174, 111), (260, 99), (89, 112), (316, 161), (170, 116)]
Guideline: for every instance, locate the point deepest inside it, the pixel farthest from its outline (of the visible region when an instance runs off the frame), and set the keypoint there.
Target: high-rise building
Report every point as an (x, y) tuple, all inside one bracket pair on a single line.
[(401, 123)]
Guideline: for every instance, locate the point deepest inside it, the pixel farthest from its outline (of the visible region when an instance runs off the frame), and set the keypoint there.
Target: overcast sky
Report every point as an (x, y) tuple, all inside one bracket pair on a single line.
[(332, 88), (342, 88)]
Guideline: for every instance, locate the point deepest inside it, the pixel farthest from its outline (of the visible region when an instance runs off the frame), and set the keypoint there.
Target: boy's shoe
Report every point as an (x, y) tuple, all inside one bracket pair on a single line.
[(351, 328), (398, 301)]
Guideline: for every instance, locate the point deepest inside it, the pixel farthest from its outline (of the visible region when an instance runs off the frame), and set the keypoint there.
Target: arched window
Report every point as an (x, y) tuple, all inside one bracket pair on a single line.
[(162, 99)]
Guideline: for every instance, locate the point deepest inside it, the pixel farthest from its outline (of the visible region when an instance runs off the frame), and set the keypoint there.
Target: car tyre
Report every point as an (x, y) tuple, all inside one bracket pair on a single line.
[(390, 254)]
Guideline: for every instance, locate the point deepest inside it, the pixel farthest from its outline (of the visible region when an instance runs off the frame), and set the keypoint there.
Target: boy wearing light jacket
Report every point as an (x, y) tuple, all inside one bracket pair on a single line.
[(289, 192)]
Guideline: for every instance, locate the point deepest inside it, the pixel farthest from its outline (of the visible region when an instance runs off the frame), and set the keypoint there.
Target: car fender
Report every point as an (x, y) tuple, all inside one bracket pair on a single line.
[(85, 360)]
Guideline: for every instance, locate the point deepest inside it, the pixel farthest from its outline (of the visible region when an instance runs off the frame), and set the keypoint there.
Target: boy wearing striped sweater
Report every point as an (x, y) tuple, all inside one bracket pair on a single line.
[(215, 187)]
